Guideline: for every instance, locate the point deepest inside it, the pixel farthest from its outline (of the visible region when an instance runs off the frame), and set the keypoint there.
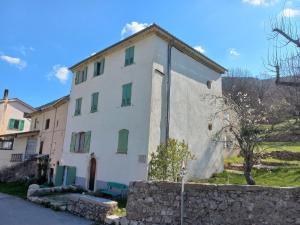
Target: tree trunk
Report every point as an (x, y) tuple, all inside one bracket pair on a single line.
[(248, 164), (248, 176)]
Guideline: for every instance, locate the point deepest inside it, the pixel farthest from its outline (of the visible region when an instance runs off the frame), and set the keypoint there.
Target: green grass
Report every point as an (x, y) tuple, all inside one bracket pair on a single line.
[(234, 160), (17, 189), (121, 210), (288, 175), (269, 147), (283, 177)]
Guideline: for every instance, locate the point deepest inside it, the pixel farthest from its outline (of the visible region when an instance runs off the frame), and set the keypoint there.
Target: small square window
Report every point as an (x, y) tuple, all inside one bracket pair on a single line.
[(208, 83), (47, 124)]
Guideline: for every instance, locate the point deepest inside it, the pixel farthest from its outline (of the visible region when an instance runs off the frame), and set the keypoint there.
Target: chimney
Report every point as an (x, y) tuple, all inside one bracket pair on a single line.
[(5, 96)]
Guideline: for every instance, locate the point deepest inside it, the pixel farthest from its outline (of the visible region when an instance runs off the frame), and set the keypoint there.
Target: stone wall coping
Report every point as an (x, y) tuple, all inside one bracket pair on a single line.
[(93, 200), (207, 186), (159, 203)]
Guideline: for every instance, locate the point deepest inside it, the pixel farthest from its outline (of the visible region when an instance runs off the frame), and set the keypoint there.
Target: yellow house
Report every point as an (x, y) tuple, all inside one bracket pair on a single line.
[(13, 115), (45, 135)]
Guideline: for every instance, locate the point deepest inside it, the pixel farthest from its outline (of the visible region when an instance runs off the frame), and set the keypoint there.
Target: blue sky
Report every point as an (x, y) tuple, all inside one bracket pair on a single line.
[(39, 40)]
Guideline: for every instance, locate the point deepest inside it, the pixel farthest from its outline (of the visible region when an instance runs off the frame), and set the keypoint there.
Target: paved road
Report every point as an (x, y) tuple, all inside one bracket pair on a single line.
[(16, 211)]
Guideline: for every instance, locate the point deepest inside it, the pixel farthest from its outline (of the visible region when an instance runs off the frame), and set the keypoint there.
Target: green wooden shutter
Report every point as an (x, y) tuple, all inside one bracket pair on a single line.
[(11, 123), (123, 141), (94, 103), (128, 54), (59, 175), (87, 140), (128, 94), (77, 76), (21, 127), (123, 95), (102, 66), (95, 69), (73, 142), (71, 175), (78, 106), (131, 55), (85, 73)]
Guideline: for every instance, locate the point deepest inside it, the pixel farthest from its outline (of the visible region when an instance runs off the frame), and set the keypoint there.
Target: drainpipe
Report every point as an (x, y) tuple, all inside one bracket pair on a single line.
[(168, 87), (5, 103)]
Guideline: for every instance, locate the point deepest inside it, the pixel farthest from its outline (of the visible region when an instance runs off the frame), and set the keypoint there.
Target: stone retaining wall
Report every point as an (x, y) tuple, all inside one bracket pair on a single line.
[(19, 172), (283, 155), (60, 198), (90, 208), (159, 203)]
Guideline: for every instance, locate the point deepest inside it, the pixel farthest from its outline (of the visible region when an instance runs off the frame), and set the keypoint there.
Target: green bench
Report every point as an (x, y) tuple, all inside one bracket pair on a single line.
[(116, 190)]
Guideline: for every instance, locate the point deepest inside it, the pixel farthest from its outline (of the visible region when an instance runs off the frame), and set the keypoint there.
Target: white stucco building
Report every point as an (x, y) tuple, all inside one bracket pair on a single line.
[(128, 98)]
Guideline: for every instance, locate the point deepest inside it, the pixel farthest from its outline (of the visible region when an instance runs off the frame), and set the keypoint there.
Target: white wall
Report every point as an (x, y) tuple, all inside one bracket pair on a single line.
[(111, 117), (19, 147), (146, 118), (191, 109)]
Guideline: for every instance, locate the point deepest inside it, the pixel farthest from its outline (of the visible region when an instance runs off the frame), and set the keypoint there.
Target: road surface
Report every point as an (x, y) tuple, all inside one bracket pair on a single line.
[(16, 211)]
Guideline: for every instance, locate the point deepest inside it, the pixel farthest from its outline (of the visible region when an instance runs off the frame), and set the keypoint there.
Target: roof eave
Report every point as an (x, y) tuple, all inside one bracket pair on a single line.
[(166, 36)]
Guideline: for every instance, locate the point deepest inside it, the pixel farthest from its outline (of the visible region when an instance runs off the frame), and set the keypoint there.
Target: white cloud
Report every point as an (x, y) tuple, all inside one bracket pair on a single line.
[(133, 27), (261, 2), (60, 72), (199, 49), (14, 61), (234, 52), (289, 12)]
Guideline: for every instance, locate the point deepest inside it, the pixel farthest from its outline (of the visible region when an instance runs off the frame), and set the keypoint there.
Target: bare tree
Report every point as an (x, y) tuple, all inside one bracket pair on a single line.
[(285, 57)]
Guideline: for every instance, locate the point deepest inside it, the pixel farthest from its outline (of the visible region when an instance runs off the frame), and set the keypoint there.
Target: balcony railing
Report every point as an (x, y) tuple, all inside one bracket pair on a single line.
[(16, 158)]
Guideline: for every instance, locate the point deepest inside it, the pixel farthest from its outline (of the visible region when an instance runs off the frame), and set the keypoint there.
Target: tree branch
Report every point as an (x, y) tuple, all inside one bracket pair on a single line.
[(289, 38)]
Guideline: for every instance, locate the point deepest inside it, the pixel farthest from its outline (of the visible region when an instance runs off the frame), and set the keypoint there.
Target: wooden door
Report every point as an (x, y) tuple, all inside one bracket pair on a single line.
[(92, 174)]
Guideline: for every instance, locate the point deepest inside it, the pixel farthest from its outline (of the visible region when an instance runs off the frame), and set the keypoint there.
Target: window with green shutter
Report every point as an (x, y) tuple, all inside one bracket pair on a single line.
[(123, 141), (94, 102), (129, 56), (81, 76), (80, 142), (77, 77), (78, 106), (126, 94), (16, 124), (99, 67)]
